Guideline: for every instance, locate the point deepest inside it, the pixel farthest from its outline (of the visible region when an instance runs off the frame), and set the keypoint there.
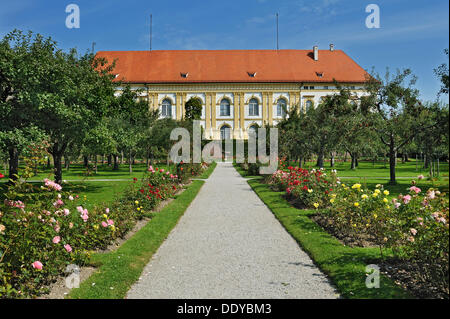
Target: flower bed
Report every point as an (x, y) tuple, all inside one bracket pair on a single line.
[(45, 229), (305, 188), (414, 227)]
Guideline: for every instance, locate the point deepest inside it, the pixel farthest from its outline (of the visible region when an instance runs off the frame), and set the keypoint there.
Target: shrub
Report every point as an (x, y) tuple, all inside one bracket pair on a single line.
[(307, 188)]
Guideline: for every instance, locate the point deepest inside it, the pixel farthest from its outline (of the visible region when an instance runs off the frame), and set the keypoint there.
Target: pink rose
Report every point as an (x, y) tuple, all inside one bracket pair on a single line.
[(110, 222), (104, 224), (413, 231), (420, 177), (66, 211), (415, 189), (107, 210), (67, 248), (79, 209), (37, 265), (406, 199), (56, 239)]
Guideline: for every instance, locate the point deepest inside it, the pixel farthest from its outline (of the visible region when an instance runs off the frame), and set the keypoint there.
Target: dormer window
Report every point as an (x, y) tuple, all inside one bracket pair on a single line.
[(184, 75), (319, 74), (251, 74), (116, 75)]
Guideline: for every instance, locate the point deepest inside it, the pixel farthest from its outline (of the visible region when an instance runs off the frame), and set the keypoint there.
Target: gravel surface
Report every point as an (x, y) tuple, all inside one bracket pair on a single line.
[(227, 245)]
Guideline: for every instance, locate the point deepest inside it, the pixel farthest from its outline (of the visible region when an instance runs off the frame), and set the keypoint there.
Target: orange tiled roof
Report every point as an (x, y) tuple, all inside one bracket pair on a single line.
[(167, 66)]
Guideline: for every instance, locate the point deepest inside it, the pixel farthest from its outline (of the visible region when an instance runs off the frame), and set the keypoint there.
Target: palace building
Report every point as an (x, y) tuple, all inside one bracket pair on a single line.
[(240, 89)]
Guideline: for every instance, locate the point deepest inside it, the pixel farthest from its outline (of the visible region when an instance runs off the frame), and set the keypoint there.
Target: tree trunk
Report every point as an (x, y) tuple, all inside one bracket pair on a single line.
[(48, 163), (427, 161), (356, 161), (116, 162), (353, 161), (13, 163), (392, 160), (57, 162), (95, 165), (320, 159), (332, 160), (130, 163), (66, 162), (109, 159), (85, 161), (121, 161), (300, 162)]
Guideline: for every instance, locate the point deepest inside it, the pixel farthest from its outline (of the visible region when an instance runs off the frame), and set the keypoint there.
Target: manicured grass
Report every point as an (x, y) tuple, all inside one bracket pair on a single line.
[(119, 269), (344, 265), (242, 172), (79, 172), (208, 171), (380, 169)]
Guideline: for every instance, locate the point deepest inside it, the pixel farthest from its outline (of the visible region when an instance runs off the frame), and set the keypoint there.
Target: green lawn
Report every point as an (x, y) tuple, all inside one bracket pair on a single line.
[(380, 169), (345, 266)]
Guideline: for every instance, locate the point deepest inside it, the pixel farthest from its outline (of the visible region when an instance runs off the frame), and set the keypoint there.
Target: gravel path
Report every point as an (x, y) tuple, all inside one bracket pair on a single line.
[(228, 244)]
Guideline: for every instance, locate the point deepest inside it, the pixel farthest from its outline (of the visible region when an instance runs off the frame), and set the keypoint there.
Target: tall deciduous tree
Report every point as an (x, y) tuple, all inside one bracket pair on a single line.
[(395, 111)]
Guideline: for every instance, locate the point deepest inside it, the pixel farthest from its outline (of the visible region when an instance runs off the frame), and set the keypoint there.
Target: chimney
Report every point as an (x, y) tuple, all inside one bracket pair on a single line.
[(331, 47), (316, 53)]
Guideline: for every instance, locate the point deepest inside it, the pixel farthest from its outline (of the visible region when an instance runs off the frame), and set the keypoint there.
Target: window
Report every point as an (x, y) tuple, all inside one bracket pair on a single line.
[(311, 87), (325, 87), (253, 107), (305, 87), (225, 107), (253, 130), (225, 132), (308, 105), (166, 108), (281, 108)]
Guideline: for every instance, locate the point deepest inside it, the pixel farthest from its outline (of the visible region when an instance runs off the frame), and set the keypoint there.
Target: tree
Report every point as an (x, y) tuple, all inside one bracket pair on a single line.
[(131, 122), (21, 71), (193, 109), (443, 75), (395, 112)]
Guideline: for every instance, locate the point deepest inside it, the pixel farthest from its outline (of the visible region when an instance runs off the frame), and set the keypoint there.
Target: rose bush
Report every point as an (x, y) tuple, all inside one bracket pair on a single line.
[(44, 229), (415, 226), (308, 188)]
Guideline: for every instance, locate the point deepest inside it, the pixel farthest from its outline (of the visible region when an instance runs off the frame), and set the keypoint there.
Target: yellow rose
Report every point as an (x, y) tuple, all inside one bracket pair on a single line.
[(386, 192), (364, 196), (136, 202), (310, 190), (332, 200), (138, 208), (375, 194), (375, 215), (356, 204), (377, 191), (357, 186), (316, 205), (385, 200), (105, 216), (95, 227)]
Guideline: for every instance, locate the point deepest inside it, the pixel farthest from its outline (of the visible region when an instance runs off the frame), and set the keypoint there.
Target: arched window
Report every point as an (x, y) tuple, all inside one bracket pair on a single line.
[(281, 108), (253, 130), (166, 108), (253, 107), (308, 105), (225, 107), (225, 132)]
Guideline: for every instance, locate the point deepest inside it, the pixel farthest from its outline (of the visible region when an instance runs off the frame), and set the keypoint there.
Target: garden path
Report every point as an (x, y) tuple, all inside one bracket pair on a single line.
[(228, 244)]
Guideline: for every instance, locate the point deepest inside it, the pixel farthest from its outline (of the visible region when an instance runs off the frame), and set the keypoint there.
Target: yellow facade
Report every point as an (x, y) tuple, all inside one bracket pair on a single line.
[(239, 95)]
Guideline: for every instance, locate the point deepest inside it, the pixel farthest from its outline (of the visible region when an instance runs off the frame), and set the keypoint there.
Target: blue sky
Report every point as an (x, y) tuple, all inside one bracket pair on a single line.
[(413, 33)]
